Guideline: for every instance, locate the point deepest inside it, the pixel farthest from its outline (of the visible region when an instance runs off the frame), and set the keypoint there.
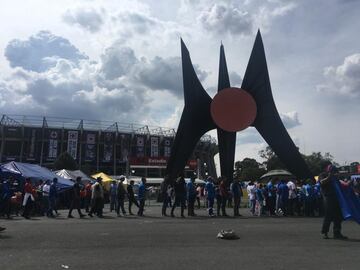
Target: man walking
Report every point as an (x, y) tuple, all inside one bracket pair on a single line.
[(141, 196), (237, 193), (332, 206), (210, 194), (131, 196), (53, 194), (97, 199), (180, 195), (75, 202), (120, 193), (191, 196)]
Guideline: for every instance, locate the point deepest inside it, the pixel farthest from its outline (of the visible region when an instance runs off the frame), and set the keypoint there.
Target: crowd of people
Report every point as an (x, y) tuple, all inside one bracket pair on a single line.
[(276, 197)]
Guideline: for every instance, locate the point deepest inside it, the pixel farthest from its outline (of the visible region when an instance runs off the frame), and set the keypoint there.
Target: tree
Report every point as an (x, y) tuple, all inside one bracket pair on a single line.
[(248, 170), (318, 162), (65, 161), (272, 162)]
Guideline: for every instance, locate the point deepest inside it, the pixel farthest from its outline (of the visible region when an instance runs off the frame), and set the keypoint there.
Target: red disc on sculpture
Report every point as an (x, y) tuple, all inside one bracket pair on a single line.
[(233, 109)]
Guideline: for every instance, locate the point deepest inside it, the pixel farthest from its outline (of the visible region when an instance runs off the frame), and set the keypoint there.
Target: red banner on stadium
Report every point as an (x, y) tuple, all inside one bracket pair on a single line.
[(358, 168), (157, 161)]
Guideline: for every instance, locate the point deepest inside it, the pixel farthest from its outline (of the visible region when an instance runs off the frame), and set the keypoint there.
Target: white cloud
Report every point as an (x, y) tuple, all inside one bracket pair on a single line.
[(290, 119), (41, 52), (117, 61), (165, 74), (223, 19), (87, 18), (343, 79)]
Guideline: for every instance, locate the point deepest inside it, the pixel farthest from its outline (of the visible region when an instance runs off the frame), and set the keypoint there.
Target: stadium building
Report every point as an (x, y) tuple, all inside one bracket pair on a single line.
[(110, 147)]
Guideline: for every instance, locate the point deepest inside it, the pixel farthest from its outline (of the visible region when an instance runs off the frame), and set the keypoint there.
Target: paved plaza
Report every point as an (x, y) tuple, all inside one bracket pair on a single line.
[(154, 242)]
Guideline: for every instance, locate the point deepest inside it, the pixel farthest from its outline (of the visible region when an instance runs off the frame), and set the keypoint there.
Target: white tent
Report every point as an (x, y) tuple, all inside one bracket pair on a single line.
[(74, 174)]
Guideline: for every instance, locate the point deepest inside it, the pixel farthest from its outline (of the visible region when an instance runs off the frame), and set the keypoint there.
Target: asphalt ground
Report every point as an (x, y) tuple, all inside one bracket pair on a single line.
[(155, 242)]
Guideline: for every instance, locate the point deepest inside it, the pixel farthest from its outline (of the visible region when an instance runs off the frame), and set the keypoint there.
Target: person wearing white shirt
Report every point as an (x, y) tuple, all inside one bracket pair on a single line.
[(251, 190)]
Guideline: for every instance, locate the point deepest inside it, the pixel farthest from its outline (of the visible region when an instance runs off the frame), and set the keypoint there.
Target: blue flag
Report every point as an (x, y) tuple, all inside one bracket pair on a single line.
[(349, 202)]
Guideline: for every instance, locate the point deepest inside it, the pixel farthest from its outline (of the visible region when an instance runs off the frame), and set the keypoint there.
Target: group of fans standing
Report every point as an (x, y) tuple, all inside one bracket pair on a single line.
[(274, 198), (43, 198)]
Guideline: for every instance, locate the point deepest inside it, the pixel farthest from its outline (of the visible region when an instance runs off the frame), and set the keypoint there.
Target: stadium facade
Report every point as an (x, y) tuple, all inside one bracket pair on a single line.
[(111, 147)]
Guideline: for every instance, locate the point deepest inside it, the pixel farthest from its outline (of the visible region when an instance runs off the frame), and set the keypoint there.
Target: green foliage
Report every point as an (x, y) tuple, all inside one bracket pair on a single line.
[(316, 161), (248, 169), (65, 161), (272, 162)]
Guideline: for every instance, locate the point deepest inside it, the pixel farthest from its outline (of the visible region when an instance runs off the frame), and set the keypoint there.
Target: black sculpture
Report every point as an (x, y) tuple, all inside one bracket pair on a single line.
[(232, 110)]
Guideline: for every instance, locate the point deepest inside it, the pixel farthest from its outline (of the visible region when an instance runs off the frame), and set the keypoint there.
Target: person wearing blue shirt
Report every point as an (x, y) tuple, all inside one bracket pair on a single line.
[(141, 196), (113, 193), (210, 191), (308, 199), (53, 194), (271, 197), (283, 193), (236, 193)]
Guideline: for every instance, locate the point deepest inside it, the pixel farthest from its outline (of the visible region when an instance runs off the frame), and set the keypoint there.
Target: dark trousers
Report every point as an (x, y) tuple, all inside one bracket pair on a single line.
[(309, 207), (166, 203), (236, 206), (223, 205), (210, 203), (132, 201), (179, 199), (291, 206), (5, 207), (198, 202), (270, 202), (141, 207), (97, 207), (191, 206), (87, 203), (120, 204), (75, 204), (218, 205), (332, 214), (113, 203)]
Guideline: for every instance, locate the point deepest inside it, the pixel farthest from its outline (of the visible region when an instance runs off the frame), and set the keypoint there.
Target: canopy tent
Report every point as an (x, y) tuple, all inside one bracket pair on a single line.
[(106, 179), (152, 181), (68, 174), (278, 173), (34, 172)]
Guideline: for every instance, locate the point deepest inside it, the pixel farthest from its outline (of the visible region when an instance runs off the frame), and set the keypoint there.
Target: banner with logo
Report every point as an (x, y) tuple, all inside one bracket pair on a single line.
[(140, 146), (154, 145), (90, 147), (167, 147), (108, 146), (53, 144), (31, 145), (72, 143), (125, 147)]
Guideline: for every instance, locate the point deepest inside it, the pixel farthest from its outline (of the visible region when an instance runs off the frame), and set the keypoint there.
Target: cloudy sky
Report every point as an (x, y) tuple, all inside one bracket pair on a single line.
[(120, 60)]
